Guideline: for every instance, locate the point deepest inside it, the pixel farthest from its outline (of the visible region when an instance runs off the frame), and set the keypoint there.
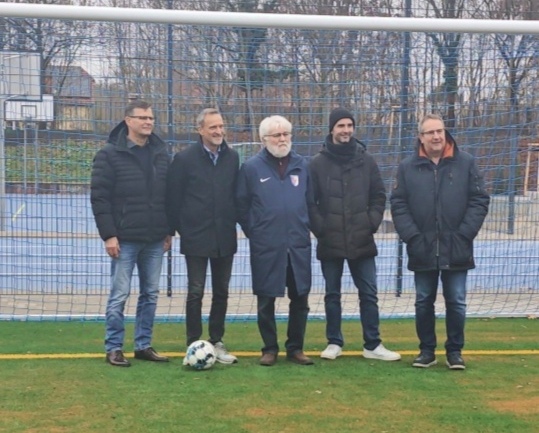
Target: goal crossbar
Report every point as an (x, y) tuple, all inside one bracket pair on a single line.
[(289, 21)]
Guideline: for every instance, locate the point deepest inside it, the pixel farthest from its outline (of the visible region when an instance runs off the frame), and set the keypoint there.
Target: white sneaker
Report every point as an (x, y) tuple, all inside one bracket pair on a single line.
[(381, 353), (331, 352), (222, 355)]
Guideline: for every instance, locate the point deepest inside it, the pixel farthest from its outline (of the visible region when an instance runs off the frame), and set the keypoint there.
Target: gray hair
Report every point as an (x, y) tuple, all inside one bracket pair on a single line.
[(430, 116), (272, 122), (202, 115)]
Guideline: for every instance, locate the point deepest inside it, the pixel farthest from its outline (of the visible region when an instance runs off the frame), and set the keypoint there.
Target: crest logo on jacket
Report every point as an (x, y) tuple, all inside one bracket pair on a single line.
[(294, 178)]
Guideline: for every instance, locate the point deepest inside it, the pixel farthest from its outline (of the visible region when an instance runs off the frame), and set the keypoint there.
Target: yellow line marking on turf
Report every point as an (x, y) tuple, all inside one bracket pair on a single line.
[(16, 214), (32, 356)]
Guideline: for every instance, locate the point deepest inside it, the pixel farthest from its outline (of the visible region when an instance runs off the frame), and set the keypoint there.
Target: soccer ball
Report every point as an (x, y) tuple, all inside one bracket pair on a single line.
[(200, 355)]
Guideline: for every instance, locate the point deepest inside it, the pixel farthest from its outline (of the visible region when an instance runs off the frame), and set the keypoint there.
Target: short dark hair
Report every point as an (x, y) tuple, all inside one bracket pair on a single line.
[(130, 109)]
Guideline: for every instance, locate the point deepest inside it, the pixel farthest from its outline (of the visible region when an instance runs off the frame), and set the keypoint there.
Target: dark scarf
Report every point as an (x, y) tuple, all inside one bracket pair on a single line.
[(342, 152)]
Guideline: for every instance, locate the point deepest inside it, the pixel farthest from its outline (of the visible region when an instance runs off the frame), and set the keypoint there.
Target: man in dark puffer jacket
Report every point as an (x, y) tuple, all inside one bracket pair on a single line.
[(128, 188), (350, 198), (438, 205)]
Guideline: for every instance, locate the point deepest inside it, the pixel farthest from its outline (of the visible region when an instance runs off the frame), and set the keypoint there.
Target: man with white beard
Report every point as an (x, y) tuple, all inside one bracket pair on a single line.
[(272, 204)]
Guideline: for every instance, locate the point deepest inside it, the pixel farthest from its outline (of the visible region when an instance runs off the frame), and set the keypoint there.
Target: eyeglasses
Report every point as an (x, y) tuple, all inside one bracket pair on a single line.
[(279, 135), (143, 118), (433, 132)]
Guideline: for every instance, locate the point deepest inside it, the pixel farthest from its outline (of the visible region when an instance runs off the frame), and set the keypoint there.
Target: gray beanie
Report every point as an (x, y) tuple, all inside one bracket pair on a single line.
[(338, 114)]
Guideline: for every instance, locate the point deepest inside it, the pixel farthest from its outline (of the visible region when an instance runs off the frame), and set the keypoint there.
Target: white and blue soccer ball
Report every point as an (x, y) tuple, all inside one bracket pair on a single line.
[(200, 355)]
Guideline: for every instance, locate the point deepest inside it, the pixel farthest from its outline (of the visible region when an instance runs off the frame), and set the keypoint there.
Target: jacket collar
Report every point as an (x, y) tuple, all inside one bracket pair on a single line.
[(268, 158), (223, 147)]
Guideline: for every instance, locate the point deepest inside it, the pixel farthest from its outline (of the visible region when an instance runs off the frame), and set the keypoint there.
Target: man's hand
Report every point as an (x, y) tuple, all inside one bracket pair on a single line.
[(168, 243), (112, 246)]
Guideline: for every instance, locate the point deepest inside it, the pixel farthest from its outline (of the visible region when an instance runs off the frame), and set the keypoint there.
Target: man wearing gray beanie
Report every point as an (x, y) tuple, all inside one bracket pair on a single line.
[(349, 203)]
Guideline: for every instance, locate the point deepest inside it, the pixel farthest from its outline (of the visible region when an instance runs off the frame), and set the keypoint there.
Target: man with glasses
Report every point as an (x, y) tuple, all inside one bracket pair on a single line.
[(438, 205), (272, 195), (200, 203), (349, 203), (128, 187)]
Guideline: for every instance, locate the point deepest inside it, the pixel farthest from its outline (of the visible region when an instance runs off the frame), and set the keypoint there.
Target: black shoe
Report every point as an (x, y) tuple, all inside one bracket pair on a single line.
[(455, 361), (149, 354), (117, 358), (425, 360)]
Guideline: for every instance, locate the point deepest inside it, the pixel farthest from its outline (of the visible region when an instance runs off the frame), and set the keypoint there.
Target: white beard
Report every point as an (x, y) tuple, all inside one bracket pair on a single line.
[(279, 152)]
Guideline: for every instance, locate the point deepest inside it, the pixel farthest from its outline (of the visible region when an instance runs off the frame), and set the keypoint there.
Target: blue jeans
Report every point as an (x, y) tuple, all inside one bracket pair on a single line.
[(148, 257), (298, 312), (364, 276), (221, 270), (454, 291)]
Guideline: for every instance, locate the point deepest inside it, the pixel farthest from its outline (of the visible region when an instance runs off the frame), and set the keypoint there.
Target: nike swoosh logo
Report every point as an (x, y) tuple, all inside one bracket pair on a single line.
[(262, 180)]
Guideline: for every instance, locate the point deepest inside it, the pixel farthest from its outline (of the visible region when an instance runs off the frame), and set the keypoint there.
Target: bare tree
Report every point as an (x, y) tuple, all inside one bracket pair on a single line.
[(448, 48), (519, 52), (345, 65)]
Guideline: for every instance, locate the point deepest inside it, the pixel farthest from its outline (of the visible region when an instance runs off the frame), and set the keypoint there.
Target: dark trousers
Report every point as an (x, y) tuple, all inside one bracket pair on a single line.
[(221, 269), (298, 310)]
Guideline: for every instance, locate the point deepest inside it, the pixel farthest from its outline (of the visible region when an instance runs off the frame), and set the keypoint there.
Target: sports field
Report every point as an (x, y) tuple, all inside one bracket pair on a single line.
[(54, 379)]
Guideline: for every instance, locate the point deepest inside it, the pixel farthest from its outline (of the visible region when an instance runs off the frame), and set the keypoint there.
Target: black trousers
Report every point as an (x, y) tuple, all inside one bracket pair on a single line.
[(298, 311), (221, 270)]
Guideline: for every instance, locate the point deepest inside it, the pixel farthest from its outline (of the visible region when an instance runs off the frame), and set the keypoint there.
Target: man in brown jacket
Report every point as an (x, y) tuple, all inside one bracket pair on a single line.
[(349, 197)]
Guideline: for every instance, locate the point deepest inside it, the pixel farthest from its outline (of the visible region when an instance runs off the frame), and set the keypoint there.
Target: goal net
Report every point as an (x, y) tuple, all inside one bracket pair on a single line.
[(386, 62)]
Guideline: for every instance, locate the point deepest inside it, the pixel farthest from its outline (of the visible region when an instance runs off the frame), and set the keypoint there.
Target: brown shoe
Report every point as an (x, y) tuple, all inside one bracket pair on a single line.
[(300, 358), (268, 359), (117, 358), (149, 354)]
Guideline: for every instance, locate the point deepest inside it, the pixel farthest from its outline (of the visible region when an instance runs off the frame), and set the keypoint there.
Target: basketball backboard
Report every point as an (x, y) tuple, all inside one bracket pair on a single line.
[(40, 111), (20, 75)]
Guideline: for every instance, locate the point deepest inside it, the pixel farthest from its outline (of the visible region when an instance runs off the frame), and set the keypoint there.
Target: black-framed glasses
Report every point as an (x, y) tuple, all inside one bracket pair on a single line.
[(279, 135), (143, 118), (433, 132)]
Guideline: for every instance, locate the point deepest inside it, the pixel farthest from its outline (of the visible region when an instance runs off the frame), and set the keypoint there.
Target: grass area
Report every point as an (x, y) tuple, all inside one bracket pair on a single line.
[(62, 161), (497, 393)]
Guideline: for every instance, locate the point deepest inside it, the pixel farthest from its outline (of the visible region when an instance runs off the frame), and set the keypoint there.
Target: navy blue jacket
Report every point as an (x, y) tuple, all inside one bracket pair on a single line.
[(273, 214), (438, 209), (128, 202)]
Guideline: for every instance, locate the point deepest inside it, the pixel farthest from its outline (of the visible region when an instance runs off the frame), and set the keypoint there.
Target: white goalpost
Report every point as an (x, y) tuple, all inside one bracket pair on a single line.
[(283, 21)]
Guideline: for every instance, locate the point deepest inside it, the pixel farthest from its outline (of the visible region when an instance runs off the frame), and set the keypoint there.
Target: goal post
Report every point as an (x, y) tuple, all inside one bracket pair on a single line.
[(282, 21)]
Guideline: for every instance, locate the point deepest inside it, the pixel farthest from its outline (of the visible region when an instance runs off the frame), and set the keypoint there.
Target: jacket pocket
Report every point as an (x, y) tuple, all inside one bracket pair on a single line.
[(461, 250), (418, 252)]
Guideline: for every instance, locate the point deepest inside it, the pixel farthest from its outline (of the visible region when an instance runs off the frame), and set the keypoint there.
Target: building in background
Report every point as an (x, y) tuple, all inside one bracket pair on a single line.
[(72, 88)]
